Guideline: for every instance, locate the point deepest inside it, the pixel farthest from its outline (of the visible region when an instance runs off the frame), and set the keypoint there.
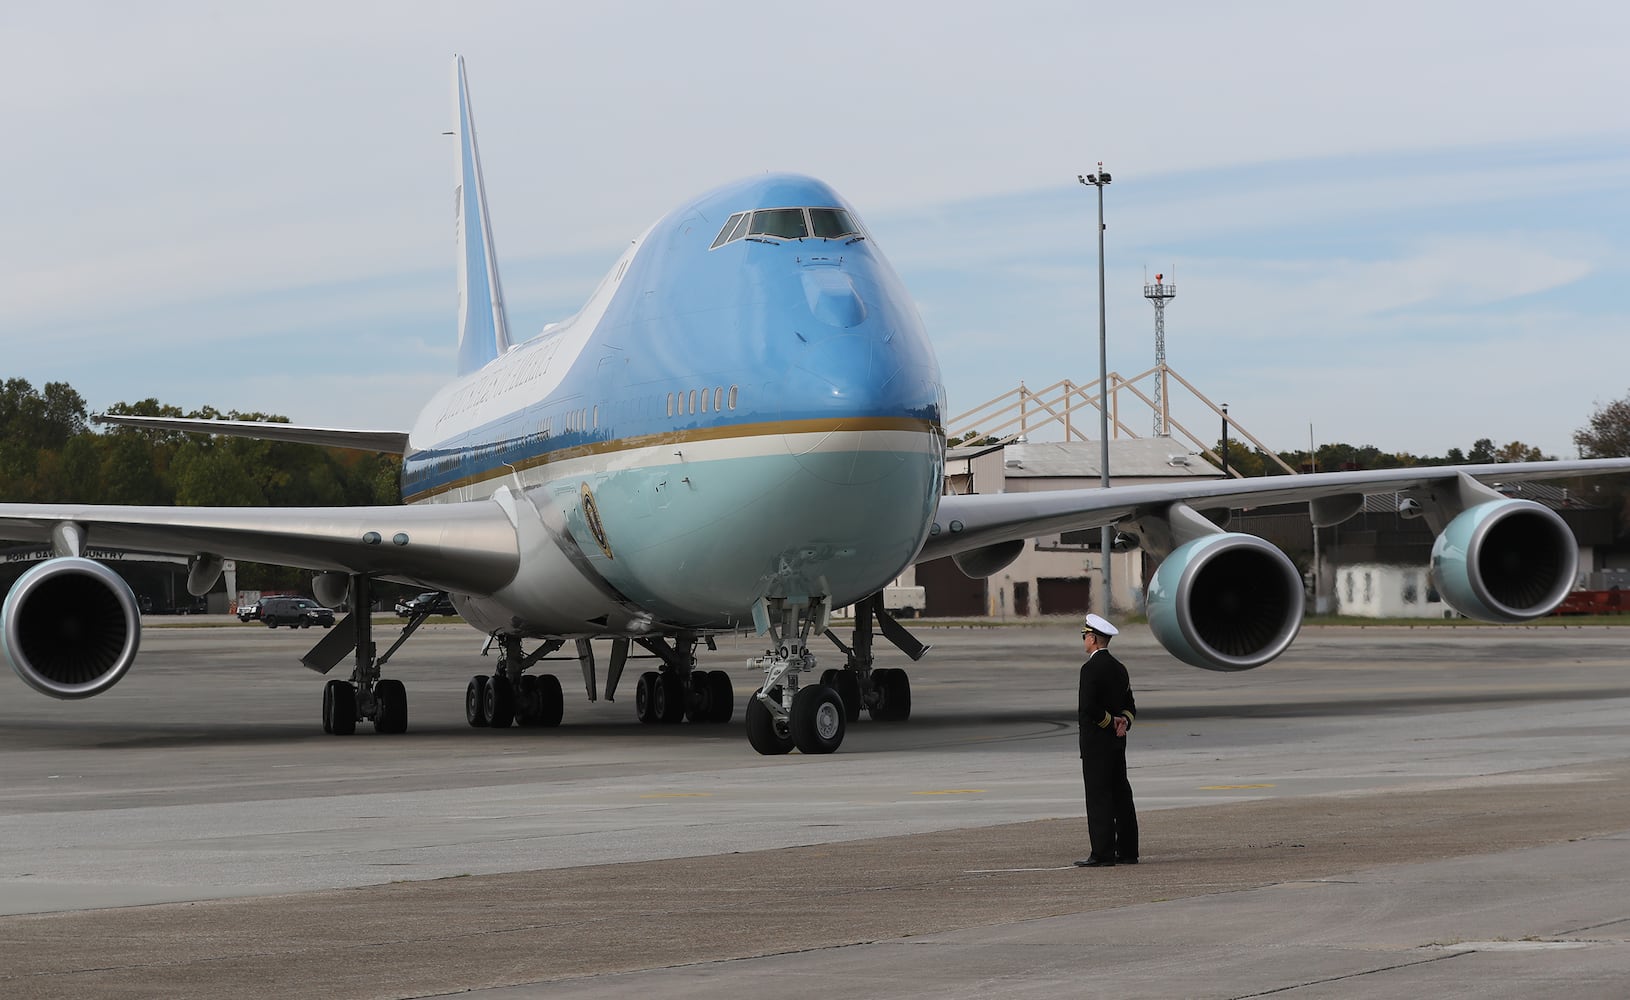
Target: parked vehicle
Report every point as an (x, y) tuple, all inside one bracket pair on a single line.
[(438, 604), (249, 612), (295, 612), (905, 602)]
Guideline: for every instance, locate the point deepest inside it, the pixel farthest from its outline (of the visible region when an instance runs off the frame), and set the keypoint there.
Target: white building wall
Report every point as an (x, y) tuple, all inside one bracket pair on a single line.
[(1372, 590), (1035, 565)]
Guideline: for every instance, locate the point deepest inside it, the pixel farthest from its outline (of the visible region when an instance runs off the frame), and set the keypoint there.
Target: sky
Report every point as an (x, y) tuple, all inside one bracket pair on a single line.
[(1395, 224)]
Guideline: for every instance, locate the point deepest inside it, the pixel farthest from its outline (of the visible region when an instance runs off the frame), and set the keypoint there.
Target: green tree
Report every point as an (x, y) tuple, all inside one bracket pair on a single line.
[(208, 476), (80, 472), (1516, 451), (1243, 460), (128, 472), (1607, 435)]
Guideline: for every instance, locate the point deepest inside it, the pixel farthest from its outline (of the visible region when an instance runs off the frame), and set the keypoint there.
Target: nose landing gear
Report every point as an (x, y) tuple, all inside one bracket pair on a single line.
[(782, 714)]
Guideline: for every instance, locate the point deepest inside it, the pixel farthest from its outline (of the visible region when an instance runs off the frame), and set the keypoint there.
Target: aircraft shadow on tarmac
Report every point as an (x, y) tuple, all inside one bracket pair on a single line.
[(1038, 722)]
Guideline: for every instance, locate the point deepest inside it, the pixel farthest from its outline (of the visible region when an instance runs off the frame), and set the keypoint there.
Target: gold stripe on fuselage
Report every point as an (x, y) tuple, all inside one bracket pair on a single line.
[(687, 437)]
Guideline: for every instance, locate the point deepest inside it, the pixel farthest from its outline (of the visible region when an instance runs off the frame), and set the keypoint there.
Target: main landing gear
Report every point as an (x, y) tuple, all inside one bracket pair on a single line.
[(782, 714), (366, 695), (677, 690), (510, 696)]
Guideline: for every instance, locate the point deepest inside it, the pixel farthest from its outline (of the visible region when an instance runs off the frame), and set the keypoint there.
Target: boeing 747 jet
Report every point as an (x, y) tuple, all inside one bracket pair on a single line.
[(741, 431)]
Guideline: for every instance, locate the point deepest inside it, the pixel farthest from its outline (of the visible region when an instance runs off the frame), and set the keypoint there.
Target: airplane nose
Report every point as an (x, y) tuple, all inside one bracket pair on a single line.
[(832, 298), (856, 378)]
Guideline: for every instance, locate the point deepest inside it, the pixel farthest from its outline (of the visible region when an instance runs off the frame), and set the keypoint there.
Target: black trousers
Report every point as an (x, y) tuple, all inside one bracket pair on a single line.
[(1112, 819)]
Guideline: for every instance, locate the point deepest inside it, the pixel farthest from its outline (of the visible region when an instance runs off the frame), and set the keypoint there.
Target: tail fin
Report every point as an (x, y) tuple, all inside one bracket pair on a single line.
[(483, 326)]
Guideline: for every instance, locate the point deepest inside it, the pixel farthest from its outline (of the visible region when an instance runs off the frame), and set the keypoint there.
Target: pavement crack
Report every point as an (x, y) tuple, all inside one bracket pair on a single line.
[(1354, 975)]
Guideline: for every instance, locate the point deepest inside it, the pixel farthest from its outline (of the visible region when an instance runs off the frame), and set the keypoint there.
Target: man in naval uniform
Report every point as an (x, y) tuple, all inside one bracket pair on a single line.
[(1106, 710)]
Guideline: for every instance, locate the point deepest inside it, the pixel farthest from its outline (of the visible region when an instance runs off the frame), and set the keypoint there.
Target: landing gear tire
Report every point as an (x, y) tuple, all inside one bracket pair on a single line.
[(668, 702), (339, 708), (645, 696), (475, 701), (893, 695), (763, 732), (499, 703), (699, 700), (818, 720), (526, 700), (391, 713), (847, 685), (541, 702), (721, 696)]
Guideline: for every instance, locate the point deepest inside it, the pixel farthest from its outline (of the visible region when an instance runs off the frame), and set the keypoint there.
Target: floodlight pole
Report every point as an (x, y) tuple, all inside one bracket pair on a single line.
[(1100, 180)]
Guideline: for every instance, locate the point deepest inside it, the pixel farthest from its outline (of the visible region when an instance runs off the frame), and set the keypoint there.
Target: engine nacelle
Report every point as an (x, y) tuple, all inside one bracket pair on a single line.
[(70, 627), (1226, 601), (1505, 561)]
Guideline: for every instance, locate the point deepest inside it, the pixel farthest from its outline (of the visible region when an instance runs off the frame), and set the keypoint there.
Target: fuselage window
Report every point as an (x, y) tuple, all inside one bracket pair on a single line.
[(670, 404), (729, 233), (732, 397), (597, 415), (693, 400), (785, 223), (705, 400), (832, 223), (718, 397)]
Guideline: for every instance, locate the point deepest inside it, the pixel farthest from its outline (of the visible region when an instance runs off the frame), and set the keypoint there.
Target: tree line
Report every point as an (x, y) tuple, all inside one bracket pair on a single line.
[(49, 453)]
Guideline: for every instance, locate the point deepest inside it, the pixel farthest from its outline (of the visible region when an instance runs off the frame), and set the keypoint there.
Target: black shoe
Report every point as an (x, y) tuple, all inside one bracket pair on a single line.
[(1095, 862), (1125, 861)]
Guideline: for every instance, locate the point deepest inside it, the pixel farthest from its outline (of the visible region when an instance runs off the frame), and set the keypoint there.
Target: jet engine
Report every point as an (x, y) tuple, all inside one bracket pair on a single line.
[(1505, 561), (1226, 601), (70, 627)]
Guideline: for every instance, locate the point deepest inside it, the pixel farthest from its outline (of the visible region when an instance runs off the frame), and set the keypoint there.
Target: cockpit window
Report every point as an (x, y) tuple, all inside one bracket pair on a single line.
[(789, 224), (729, 232), (832, 223)]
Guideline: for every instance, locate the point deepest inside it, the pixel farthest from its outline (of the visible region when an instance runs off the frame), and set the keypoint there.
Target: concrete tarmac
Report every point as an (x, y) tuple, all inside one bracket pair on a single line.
[(1382, 811)]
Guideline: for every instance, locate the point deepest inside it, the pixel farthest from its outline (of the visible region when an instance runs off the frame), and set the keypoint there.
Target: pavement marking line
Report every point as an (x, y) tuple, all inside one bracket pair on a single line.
[(1228, 788), (1004, 871), (676, 795), (953, 791), (1547, 945)]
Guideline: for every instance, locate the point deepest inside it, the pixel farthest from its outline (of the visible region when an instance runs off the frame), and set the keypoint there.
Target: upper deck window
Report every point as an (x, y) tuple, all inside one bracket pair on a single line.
[(789, 224)]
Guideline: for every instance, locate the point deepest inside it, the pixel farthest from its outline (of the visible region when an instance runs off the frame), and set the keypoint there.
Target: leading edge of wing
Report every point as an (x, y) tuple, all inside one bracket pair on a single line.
[(974, 521), (467, 547), (390, 442)]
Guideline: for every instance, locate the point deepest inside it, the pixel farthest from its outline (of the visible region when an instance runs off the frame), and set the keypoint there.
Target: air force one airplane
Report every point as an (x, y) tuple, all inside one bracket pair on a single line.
[(741, 431)]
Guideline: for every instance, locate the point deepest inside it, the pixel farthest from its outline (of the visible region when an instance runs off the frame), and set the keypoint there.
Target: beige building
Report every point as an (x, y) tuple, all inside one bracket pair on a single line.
[(1059, 573)]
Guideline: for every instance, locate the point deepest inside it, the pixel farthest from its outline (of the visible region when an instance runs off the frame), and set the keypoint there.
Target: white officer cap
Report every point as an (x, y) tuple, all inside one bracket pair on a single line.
[(1100, 625)]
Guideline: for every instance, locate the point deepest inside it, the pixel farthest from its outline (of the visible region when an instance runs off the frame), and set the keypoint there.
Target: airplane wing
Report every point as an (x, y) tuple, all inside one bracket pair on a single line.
[(467, 548), (392, 442), (967, 523), (1232, 601)]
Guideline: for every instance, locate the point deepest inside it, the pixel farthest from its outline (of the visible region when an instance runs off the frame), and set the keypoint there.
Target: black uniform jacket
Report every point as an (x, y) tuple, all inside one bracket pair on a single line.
[(1106, 691)]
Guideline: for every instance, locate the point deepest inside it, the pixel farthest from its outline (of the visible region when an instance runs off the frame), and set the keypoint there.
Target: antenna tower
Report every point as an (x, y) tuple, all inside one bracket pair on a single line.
[(1160, 293)]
